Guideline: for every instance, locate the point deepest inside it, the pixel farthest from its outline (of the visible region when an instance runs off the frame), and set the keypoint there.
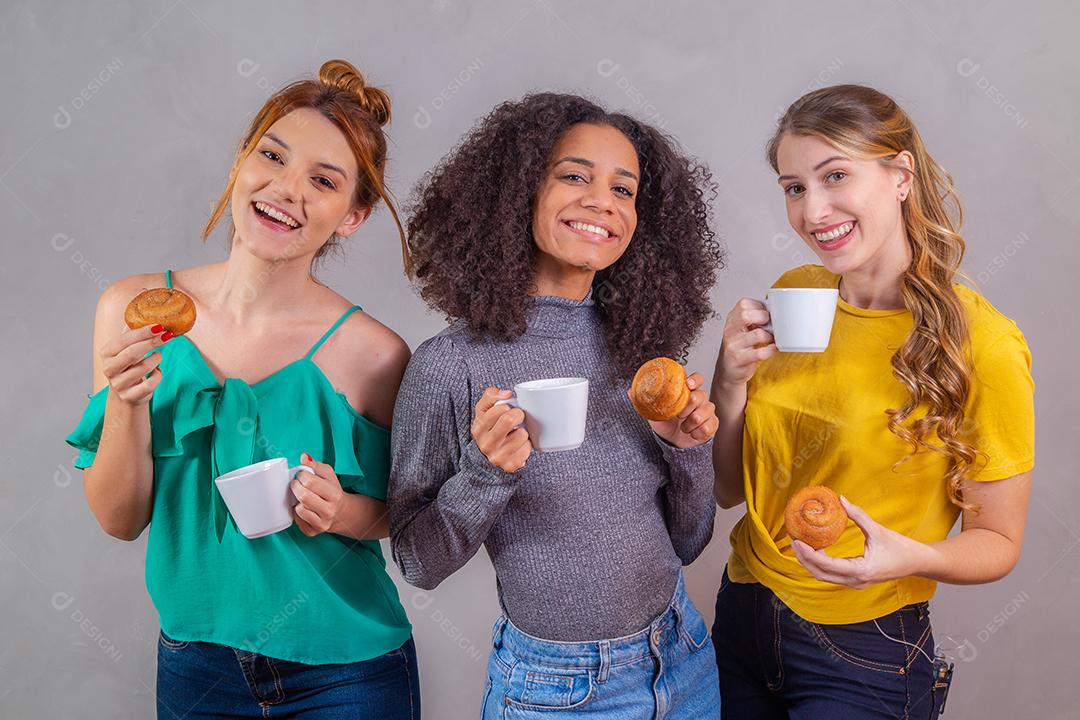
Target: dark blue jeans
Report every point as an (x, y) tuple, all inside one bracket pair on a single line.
[(775, 665), (207, 680)]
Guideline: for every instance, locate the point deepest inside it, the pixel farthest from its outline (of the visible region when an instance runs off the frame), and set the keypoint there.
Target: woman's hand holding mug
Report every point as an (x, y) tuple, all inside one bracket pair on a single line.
[(746, 343), (496, 430)]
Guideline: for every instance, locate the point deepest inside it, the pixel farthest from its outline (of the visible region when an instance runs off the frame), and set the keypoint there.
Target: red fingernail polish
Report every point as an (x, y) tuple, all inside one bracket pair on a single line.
[(167, 335), (157, 328)]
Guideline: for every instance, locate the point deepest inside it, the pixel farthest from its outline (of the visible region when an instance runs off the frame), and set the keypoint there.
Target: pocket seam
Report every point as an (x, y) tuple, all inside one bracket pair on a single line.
[(913, 653), (511, 702), (890, 668), (690, 642), (172, 644), (507, 669)]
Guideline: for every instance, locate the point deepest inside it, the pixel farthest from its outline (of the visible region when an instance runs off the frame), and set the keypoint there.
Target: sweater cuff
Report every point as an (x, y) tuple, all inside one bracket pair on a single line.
[(481, 470), (479, 492), (684, 456)]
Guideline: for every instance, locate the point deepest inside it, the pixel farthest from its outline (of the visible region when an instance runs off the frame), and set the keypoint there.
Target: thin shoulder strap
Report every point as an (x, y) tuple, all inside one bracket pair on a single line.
[(168, 279), (330, 332)]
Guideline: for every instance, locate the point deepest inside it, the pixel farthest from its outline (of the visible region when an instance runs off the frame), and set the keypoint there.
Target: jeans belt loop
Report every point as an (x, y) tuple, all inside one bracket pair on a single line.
[(680, 622), (605, 661), (496, 632)]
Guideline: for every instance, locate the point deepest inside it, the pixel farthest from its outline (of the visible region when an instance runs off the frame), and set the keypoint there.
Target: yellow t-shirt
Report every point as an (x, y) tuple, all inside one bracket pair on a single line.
[(819, 419)]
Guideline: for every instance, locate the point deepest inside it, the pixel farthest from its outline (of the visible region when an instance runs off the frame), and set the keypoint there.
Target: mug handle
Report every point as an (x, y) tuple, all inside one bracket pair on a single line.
[(293, 472), (767, 327), (511, 401)]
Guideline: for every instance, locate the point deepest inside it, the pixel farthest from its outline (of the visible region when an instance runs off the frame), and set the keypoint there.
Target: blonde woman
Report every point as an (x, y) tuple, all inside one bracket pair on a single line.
[(919, 411)]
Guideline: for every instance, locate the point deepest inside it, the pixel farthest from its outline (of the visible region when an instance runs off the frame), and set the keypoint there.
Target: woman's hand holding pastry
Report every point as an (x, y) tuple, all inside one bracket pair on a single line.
[(127, 369), (888, 555), (695, 424)]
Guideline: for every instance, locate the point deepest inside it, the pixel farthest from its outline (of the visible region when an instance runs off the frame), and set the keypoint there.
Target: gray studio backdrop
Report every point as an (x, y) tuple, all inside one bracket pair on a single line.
[(118, 125)]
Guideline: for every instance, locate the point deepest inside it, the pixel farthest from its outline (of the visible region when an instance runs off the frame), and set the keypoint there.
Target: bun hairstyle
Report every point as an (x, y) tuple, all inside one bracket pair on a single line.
[(342, 96), (342, 75), (932, 363)]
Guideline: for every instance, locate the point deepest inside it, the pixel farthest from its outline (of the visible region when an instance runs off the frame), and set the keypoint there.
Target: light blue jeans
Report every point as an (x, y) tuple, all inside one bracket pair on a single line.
[(667, 671)]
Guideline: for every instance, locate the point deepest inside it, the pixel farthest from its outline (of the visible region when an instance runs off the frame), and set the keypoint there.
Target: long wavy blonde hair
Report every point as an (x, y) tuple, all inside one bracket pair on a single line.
[(933, 363)]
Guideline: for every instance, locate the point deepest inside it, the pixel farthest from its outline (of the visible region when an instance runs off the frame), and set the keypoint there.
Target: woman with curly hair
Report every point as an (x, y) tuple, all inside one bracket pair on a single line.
[(563, 240), (920, 410)]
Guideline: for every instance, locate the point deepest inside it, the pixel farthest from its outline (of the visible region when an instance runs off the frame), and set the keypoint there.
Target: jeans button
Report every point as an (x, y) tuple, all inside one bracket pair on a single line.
[(656, 636)]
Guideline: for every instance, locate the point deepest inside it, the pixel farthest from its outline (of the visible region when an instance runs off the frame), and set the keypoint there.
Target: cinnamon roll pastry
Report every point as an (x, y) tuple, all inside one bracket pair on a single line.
[(815, 516), (170, 308)]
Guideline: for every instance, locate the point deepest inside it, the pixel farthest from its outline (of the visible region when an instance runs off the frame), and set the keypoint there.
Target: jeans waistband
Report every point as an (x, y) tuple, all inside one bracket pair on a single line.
[(596, 654), (921, 608)]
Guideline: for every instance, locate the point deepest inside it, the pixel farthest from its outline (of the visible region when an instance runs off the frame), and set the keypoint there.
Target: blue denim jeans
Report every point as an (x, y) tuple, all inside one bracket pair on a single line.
[(207, 680), (666, 671), (775, 665)]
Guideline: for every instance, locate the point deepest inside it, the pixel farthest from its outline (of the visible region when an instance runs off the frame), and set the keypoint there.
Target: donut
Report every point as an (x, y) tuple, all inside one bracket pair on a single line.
[(815, 516), (163, 306), (659, 390)]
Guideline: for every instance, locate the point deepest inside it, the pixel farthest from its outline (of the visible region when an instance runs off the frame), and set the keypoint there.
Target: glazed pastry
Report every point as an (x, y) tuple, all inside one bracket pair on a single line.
[(164, 306), (659, 390), (815, 516)]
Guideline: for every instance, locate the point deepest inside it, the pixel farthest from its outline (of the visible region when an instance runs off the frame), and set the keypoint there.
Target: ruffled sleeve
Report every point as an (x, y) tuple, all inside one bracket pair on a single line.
[(176, 412), (183, 403), (360, 451), (87, 434)]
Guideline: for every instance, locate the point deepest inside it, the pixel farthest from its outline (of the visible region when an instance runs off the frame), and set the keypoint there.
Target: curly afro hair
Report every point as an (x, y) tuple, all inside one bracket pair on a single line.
[(470, 232)]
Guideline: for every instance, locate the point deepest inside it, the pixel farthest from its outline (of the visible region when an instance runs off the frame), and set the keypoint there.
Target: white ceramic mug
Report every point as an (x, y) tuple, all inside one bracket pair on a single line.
[(801, 319), (555, 411), (258, 496)]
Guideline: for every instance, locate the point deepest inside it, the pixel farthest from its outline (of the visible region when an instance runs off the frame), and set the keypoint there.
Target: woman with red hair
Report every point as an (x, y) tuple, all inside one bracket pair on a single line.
[(277, 364)]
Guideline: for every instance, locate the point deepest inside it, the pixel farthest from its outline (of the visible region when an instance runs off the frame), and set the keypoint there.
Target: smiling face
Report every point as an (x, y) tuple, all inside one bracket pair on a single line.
[(584, 215), (296, 189), (848, 211)]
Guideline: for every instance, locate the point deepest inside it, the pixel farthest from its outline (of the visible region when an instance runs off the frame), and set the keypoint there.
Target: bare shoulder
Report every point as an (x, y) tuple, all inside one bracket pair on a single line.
[(109, 319), (371, 347), (117, 295), (130, 286), (366, 360), (109, 316)]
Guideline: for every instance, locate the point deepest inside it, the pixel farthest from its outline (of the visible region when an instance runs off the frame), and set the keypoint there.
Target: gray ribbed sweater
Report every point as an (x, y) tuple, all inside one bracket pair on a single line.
[(587, 544)]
